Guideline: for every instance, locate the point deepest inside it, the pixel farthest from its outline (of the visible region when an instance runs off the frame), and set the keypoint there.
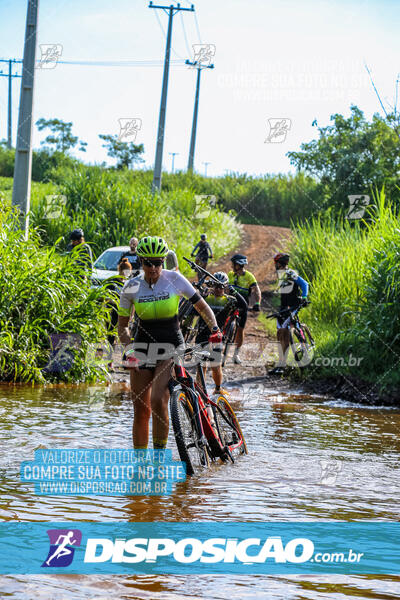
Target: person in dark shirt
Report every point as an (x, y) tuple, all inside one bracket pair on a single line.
[(80, 251), (202, 251), (132, 256)]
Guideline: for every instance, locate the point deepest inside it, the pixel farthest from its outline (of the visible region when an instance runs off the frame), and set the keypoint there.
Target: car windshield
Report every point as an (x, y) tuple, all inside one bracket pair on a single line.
[(109, 260)]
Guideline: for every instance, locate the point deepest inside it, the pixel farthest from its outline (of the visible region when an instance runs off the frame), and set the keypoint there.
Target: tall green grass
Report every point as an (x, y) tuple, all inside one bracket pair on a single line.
[(267, 199), (261, 200), (112, 206), (44, 293), (354, 271)]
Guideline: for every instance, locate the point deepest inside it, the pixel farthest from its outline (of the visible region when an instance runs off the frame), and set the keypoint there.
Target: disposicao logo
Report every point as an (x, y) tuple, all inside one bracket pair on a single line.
[(190, 550), (62, 547)]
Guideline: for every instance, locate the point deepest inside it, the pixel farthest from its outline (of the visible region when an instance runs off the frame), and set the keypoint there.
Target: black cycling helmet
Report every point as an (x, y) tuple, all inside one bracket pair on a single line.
[(76, 234), (222, 277), (239, 259), (203, 236), (281, 258)]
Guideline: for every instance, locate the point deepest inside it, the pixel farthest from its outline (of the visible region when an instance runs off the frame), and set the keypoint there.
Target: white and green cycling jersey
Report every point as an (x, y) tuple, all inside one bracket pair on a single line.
[(157, 302)]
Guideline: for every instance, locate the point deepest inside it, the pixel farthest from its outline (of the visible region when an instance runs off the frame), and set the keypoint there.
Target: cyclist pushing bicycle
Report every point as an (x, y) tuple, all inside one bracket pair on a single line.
[(246, 284), (155, 294), (293, 290), (223, 306)]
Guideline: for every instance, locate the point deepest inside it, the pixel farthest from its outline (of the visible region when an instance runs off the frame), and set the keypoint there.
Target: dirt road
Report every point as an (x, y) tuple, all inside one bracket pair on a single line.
[(259, 243)]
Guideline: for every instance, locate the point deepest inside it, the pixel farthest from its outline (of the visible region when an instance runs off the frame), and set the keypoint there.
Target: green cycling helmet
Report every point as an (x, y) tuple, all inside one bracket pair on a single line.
[(152, 247)]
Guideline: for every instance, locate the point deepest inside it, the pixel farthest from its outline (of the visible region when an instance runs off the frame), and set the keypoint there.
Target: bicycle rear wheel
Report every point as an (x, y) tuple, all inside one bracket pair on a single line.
[(228, 427), (186, 436)]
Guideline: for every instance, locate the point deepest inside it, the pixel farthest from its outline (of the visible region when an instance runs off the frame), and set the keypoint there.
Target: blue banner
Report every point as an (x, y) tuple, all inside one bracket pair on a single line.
[(203, 548)]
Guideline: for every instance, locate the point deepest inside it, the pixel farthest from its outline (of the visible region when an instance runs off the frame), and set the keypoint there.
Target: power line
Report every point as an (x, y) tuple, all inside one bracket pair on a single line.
[(185, 36), (198, 28), (119, 63), (111, 63), (395, 127), (164, 34)]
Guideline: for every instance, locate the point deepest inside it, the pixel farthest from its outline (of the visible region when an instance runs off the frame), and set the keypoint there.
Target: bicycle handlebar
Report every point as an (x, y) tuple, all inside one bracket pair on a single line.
[(201, 270), (292, 310)]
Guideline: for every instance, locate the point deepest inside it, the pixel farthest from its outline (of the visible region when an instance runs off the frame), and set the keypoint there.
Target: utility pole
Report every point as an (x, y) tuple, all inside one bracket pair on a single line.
[(23, 155), (205, 168), (10, 77), (199, 67), (171, 11), (173, 154)]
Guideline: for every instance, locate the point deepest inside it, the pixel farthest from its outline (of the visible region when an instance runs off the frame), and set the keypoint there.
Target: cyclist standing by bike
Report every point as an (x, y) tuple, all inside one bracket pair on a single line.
[(246, 284), (222, 306), (202, 251), (293, 290), (155, 295)]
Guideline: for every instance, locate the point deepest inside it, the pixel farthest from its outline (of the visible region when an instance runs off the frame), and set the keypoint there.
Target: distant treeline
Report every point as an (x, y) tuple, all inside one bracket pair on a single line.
[(350, 157)]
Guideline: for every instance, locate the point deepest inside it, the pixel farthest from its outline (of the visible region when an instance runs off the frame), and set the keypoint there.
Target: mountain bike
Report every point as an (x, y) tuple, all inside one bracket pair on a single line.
[(301, 342), (188, 316), (204, 429)]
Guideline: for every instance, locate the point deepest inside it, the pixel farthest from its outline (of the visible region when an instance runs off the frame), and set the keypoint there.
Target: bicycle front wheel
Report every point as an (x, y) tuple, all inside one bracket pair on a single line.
[(229, 339), (186, 435), (228, 427), (302, 345)]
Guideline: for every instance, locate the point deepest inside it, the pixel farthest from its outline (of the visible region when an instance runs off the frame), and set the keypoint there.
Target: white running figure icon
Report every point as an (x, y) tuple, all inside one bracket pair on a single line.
[(62, 550)]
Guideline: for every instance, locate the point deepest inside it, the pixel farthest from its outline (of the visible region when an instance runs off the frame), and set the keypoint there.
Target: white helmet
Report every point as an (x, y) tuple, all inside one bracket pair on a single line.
[(222, 277)]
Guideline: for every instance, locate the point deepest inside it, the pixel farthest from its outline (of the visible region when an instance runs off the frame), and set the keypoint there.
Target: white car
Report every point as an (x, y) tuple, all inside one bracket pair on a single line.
[(106, 265)]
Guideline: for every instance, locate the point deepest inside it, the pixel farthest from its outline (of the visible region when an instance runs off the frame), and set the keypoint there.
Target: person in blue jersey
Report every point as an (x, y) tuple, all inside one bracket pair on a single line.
[(293, 290)]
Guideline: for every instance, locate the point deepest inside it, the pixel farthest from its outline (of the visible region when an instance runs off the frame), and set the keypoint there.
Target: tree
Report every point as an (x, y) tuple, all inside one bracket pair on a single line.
[(126, 153), (351, 156), (61, 138)]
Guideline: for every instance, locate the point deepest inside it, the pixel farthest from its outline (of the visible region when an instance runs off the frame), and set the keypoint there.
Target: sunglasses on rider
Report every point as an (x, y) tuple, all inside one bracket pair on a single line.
[(153, 262)]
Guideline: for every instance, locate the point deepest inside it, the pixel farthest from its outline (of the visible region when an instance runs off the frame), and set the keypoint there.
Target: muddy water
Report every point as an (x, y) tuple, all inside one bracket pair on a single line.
[(309, 459)]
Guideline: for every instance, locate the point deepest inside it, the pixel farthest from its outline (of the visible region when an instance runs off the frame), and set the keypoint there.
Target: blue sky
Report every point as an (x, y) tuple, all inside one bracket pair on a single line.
[(274, 60)]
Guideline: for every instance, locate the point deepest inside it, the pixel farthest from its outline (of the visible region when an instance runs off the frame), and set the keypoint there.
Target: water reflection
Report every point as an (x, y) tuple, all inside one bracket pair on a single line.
[(309, 459)]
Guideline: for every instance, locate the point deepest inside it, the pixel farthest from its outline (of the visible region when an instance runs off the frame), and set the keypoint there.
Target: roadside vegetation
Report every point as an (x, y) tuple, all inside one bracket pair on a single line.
[(45, 293), (354, 271)]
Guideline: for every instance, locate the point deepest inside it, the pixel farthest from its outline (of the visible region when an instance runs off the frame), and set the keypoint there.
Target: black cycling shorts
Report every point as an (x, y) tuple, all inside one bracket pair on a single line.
[(157, 341), (242, 318)]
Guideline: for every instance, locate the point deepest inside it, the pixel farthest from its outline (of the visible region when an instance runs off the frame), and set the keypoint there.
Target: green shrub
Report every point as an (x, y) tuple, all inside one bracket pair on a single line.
[(44, 293), (354, 271), (7, 156)]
